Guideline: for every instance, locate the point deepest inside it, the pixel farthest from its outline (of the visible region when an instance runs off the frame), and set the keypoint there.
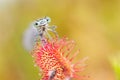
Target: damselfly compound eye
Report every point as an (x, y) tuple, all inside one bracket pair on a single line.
[(36, 23), (48, 19)]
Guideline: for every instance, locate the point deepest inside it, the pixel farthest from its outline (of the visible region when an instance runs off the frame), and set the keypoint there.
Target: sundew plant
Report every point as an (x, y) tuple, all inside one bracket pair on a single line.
[(52, 54)]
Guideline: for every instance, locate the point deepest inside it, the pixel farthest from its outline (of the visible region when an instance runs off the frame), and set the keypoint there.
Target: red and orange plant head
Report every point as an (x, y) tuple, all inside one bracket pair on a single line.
[(52, 57)]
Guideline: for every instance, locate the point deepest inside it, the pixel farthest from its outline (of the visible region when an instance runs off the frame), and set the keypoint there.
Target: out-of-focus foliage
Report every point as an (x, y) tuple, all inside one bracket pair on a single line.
[(115, 61), (93, 24)]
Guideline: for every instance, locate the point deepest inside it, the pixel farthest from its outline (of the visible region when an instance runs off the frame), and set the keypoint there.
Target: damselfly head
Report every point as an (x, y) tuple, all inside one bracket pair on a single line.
[(42, 22)]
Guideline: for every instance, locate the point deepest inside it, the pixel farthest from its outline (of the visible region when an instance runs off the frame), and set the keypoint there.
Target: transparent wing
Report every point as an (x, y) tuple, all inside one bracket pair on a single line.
[(30, 36)]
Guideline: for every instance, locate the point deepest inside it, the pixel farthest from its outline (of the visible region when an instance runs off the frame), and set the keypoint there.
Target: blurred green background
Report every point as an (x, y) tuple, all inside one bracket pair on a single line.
[(93, 24)]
